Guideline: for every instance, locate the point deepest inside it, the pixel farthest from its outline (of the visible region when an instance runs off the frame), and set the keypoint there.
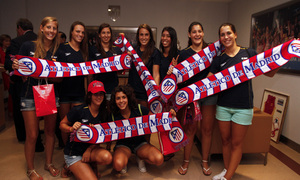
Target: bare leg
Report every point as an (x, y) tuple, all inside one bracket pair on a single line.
[(207, 122), (150, 154), (50, 124), (83, 171), (190, 131), (238, 134), (121, 156), (101, 156), (63, 111), (32, 129), (225, 130)]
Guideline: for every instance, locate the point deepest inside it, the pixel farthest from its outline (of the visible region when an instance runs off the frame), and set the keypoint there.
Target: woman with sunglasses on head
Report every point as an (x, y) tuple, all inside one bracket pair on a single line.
[(45, 47), (79, 155)]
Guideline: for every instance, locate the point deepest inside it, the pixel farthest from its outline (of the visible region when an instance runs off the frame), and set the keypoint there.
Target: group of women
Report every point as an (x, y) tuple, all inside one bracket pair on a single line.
[(106, 101)]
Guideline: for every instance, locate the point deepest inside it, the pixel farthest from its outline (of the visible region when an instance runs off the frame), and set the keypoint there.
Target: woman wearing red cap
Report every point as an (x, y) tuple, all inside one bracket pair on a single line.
[(79, 155)]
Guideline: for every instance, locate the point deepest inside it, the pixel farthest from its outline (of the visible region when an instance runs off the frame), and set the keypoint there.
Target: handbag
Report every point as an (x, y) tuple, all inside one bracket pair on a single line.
[(44, 99)]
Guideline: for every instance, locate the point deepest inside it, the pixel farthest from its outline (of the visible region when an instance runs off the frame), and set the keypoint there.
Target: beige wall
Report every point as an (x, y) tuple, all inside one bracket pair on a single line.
[(156, 13), (240, 12)]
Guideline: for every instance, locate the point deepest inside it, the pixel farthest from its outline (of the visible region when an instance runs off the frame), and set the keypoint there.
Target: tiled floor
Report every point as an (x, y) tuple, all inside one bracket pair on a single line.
[(13, 166)]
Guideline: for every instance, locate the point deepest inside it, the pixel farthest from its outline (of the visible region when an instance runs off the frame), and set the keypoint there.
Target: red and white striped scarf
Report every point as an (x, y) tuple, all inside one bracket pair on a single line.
[(35, 67), (241, 72), (182, 72), (145, 76)]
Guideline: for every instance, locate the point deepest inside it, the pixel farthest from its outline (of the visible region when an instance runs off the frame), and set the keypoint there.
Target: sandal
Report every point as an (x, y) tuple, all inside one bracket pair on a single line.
[(53, 171), (206, 172), (33, 171), (184, 170), (65, 172)]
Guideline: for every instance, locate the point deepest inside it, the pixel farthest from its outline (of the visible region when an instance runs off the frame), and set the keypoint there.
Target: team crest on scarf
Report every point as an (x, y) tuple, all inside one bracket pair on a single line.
[(176, 135), (168, 86), (127, 61), (118, 41), (294, 47), (182, 98), (26, 66), (84, 134), (156, 106)]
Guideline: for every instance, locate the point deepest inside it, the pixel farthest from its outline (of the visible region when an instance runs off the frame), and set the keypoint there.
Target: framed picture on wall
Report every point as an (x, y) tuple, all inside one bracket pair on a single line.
[(275, 26), (275, 103)]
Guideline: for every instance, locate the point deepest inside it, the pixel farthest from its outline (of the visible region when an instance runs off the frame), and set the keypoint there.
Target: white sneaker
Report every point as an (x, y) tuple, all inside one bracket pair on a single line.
[(223, 178), (220, 176), (124, 170), (141, 165)]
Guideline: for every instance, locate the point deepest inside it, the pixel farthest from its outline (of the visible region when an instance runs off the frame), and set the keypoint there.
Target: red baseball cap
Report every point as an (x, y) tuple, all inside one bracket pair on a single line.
[(96, 86)]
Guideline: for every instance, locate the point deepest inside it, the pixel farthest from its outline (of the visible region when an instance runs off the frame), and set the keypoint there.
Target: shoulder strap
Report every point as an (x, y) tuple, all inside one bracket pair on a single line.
[(112, 116), (139, 106)]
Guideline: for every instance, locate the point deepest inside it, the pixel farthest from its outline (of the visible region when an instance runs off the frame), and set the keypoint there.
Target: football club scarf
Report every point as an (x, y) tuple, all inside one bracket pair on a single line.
[(241, 72), (188, 68), (182, 72), (35, 67), (163, 122), (127, 128), (145, 76), (171, 141)]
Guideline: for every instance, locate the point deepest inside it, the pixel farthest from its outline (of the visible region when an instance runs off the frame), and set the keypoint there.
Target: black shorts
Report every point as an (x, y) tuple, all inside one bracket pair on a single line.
[(133, 143)]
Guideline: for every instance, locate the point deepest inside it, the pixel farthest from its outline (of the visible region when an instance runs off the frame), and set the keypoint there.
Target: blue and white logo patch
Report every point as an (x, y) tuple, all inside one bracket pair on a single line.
[(84, 133), (182, 98), (26, 66), (176, 135), (156, 106), (168, 86)]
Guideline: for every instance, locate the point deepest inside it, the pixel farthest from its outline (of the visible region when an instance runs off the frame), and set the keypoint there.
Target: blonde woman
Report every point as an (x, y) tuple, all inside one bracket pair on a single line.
[(44, 47)]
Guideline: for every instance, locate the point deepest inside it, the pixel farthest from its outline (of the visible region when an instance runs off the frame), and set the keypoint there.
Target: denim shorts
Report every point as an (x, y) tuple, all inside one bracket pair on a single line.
[(70, 160), (71, 99), (210, 100), (28, 104), (239, 116)]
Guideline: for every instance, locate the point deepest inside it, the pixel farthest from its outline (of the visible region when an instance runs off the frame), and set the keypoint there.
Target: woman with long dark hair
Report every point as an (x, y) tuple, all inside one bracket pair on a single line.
[(104, 48), (207, 105), (72, 89), (151, 57), (123, 105), (169, 50), (79, 155), (235, 105)]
